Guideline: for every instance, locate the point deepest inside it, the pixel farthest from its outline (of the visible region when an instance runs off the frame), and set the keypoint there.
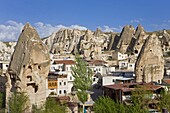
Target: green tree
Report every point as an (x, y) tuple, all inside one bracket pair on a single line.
[(83, 79), (52, 106), (107, 105), (164, 100), (18, 103), (140, 98), (2, 100)]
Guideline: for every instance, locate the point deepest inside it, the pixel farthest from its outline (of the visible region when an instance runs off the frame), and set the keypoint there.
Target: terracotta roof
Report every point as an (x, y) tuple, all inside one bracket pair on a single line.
[(67, 62), (132, 86), (167, 81), (96, 62), (56, 75)]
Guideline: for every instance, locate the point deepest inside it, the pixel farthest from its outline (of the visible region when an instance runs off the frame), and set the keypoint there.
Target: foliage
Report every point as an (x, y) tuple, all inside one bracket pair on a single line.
[(52, 106), (82, 95), (164, 100), (83, 78), (107, 105), (2, 100), (141, 97), (18, 103)]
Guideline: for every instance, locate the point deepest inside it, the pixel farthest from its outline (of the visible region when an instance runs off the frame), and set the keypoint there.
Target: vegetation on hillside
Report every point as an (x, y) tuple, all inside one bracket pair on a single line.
[(18, 103)]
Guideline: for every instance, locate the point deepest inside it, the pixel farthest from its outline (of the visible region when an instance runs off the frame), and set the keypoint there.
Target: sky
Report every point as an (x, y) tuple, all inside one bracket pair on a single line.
[(48, 16)]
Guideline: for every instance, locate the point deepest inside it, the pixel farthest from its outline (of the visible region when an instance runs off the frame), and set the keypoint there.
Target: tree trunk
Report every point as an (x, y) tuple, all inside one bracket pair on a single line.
[(83, 109)]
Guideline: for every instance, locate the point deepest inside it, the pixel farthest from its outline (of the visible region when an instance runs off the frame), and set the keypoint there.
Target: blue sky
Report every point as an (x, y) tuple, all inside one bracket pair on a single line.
[(108, 14)]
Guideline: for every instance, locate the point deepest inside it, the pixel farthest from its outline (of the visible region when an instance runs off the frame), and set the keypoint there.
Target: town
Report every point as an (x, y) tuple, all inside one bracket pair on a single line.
[(121, 63)]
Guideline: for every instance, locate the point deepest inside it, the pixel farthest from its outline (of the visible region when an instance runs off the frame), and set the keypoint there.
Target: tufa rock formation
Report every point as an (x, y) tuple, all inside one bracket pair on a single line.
[(150, 62), (6, 50), (138, 40), (125, 38), (29, 67), (88, 43), (140, 36), (91, 44), (165, 41)]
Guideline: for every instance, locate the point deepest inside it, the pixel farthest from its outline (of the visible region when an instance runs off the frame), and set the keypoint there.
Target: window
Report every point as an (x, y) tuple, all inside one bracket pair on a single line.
[(55, 83), (130, 65), (64, 91), (60, 83), (70, 77), (123, 64), (49, 84), (99, 69), (159, 81), (59, 91), (94, 79), (6, 65), (29, 78), (113, 80), (64, 83)]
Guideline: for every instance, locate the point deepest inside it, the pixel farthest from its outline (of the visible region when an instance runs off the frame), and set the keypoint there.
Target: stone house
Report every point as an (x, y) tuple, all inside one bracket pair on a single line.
[(123, 92)]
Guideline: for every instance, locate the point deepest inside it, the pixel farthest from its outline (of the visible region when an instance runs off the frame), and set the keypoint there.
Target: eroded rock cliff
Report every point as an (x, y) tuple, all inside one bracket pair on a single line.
[(150, 62), (29, 67)]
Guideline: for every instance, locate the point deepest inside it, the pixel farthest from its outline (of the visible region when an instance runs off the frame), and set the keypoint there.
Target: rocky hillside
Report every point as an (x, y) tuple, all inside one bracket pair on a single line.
[(92, 43), (6, 50), (86, 42)]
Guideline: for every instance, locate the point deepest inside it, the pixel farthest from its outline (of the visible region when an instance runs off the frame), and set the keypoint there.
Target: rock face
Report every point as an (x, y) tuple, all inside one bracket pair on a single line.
[(125, 38), (165, 41), (6, 50), (65, 40), (87, 42), (92, 44), (150, 62), (29, 67), (139, 37)]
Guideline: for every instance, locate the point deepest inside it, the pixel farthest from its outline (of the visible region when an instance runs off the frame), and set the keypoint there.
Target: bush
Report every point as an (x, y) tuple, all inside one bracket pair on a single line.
[(18, 103)]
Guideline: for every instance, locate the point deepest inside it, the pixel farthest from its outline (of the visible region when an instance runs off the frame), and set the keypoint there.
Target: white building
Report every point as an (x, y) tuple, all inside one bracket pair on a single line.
[(123, 64), (119, 56), (3, 67), (108, 80), (62, 85), (64, 66), (118, 77), (57, 84), (98, 66), (131, 67)]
